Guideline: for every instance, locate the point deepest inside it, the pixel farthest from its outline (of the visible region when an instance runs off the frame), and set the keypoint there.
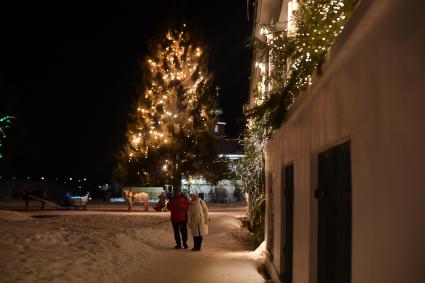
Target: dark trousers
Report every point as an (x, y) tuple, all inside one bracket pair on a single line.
[(180, 228), (197, 242)]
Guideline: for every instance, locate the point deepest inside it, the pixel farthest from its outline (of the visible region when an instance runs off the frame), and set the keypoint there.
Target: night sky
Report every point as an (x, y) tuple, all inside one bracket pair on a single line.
[(68, 73)]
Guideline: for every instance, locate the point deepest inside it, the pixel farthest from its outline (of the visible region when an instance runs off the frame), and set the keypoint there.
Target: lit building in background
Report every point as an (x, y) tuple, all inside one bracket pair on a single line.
[(226, 190)]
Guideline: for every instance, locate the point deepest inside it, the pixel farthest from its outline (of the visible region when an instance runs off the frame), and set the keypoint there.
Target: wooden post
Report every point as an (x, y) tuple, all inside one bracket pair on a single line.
[(43, 203), (25, 194)]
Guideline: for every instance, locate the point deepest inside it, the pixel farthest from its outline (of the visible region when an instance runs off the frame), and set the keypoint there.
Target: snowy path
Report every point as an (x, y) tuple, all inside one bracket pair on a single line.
[(98, 246), (225, 257)]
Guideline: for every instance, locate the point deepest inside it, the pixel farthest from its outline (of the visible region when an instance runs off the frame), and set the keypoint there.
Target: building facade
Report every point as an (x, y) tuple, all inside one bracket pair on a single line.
[(344, 172), (226, 190)]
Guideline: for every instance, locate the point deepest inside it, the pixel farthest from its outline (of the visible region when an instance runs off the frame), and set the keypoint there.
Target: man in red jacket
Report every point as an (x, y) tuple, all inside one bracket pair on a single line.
[(178, 206)]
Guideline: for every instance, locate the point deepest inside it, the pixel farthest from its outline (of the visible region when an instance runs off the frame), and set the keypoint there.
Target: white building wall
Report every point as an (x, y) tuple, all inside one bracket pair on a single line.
[(371, 93)]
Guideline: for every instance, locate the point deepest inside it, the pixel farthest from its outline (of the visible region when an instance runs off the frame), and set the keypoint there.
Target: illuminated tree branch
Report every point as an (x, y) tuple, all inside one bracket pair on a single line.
[(5, 123), (171, 129)]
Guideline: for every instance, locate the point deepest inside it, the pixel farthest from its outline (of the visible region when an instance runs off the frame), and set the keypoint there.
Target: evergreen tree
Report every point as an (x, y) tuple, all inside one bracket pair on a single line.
[(170, 134)]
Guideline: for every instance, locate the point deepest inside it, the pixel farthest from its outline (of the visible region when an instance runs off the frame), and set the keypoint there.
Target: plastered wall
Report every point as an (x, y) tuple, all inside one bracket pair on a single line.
[(371, 93)]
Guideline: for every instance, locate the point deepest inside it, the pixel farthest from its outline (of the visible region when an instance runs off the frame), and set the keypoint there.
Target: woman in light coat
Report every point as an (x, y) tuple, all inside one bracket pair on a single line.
[(197, 220)]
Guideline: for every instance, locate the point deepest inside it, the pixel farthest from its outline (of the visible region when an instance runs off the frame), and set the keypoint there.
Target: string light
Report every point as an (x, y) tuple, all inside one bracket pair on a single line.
[(5, 122), (169, 109), (317, 24), (290, 57)]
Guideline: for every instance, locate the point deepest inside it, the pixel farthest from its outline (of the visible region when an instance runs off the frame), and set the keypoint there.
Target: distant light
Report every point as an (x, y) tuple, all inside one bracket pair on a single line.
[(85, 179), (28, 178), (99, 187), (70, 179), (42, 178), (79, 187)]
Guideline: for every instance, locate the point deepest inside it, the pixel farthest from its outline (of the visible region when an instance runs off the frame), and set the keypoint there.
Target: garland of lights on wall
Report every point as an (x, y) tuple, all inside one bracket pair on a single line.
[(287, 60)]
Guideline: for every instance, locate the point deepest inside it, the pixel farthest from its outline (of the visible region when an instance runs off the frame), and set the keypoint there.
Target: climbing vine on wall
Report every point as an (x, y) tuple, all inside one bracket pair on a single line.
[(286, 60), (291, 59)]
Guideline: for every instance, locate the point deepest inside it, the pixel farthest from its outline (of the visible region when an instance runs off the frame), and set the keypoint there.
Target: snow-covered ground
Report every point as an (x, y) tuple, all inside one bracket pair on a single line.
[(114, 246)]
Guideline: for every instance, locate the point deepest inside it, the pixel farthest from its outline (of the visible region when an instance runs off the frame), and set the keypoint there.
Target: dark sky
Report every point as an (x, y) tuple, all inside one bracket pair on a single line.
[(68, 73)]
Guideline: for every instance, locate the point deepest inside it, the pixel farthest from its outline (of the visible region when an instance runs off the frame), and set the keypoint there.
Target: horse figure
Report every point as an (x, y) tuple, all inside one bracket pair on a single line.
[(132, 197)]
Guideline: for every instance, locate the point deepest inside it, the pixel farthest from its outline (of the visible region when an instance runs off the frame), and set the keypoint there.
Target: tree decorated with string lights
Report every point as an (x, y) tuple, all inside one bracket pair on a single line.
[(170, 134), (5, 122)]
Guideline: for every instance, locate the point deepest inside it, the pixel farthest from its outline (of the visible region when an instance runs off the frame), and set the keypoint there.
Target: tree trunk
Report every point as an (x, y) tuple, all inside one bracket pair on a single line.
[(177, 179), (177, 182)]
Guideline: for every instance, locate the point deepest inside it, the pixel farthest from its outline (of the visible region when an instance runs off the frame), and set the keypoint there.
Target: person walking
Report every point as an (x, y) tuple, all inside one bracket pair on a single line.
[(178, 206), (198, 220)]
